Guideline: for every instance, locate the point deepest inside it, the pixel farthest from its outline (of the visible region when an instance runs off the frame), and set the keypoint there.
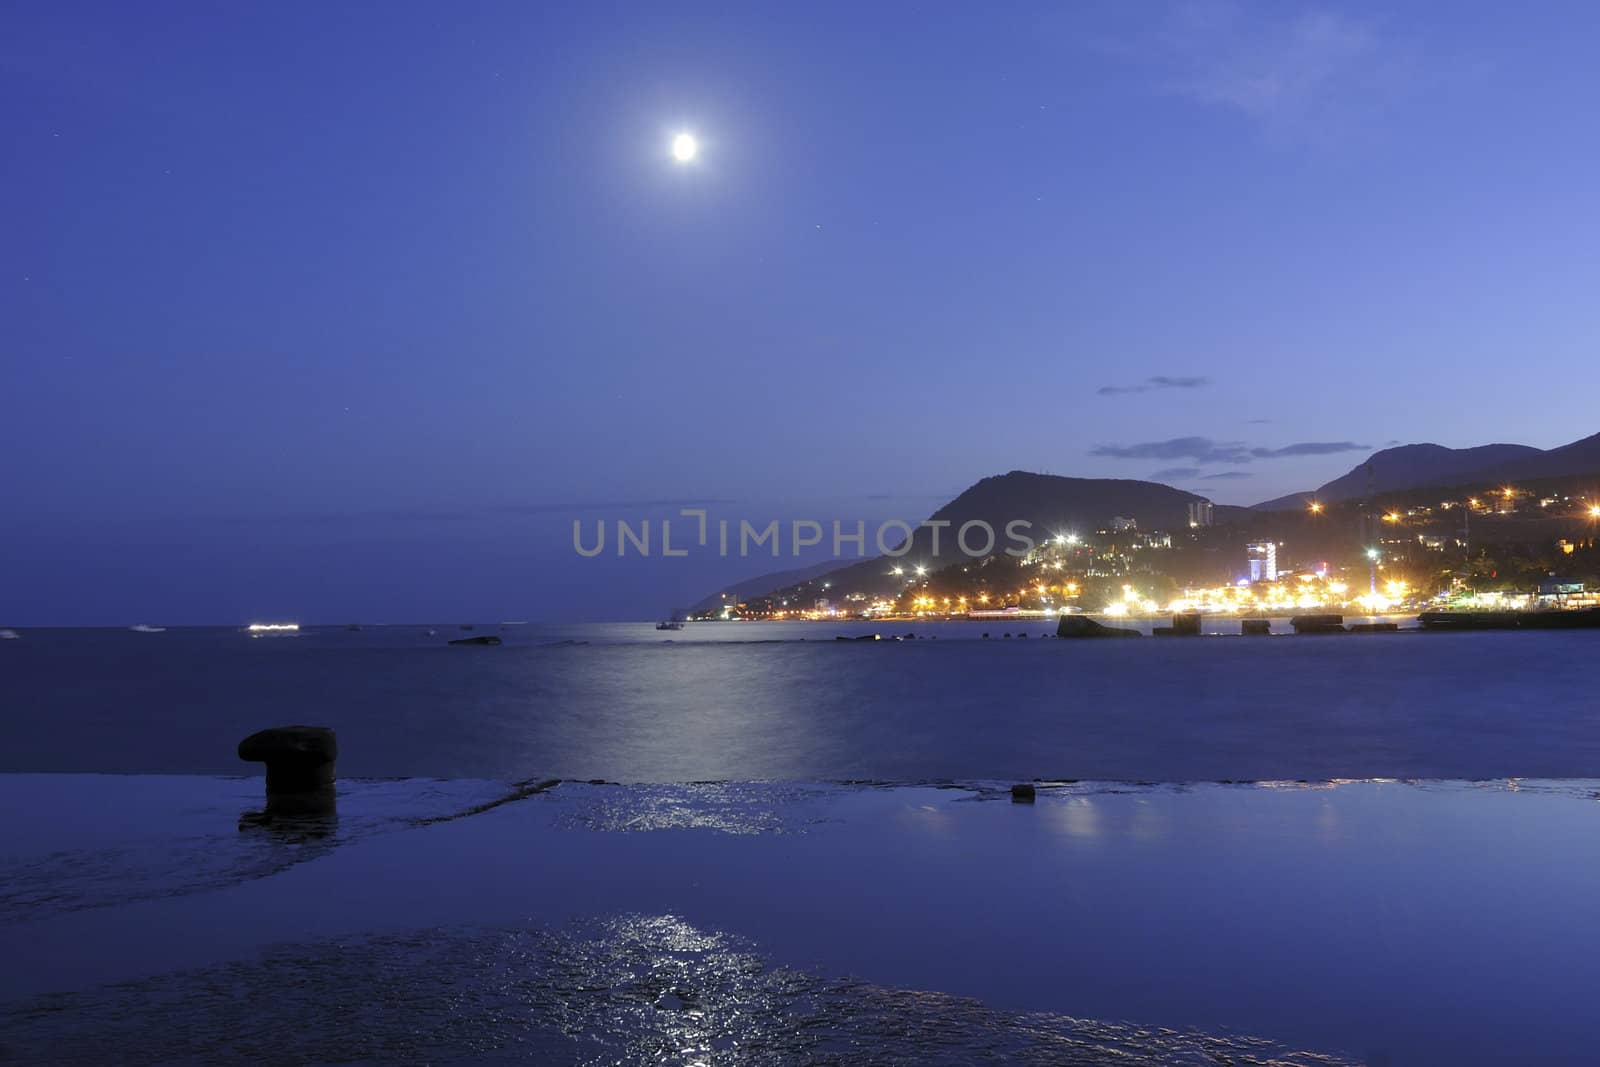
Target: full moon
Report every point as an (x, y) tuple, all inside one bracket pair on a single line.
[(685, 147)]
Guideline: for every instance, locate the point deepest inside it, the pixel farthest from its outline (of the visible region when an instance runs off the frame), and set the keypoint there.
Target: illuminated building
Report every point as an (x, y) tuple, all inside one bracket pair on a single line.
[(1263, 557)]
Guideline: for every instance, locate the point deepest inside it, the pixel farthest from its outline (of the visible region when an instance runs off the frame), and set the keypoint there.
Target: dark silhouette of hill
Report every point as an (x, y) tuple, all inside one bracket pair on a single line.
[(1417, 466), (1422, 466), (765, 583), (1051, 504), (1579, 457)]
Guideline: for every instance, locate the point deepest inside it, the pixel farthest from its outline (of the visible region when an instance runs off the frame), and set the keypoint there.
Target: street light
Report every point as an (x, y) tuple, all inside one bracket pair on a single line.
[(1316, 507)]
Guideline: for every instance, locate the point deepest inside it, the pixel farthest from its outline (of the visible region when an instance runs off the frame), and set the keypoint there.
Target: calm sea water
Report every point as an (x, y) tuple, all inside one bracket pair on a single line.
[(626, 702)]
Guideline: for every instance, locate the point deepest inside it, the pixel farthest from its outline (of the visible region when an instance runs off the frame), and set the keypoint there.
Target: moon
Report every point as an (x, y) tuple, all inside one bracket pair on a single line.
[(685, 148)]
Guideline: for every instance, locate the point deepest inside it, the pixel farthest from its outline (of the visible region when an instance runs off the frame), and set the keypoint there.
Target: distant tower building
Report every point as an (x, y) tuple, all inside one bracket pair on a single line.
[(1263, 556), (1200, 513), (1120, 524)]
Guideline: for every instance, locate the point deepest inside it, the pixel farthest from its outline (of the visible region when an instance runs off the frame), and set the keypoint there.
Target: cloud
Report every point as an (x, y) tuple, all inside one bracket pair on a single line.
[(1297, 75), (610, 505), (1176, 474), (1198, 449), (1227, 476), (1159, 381), (1309, 448), (1205, 450), (1260, 422)]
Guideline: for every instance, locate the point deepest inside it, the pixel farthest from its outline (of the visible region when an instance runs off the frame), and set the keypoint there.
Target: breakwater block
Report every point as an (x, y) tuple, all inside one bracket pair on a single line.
[(1318, 624), (1162, 631), (300, 766), (1022, 793), (1255, 627), (487, 639), (1082, 626), (1186, 624), (1374, 627)]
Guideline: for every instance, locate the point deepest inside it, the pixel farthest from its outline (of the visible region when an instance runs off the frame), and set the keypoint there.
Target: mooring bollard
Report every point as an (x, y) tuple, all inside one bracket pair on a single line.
[(300, 767)]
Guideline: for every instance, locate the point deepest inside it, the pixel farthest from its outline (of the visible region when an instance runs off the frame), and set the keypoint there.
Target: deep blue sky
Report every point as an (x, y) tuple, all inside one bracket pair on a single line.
[(310, 310)]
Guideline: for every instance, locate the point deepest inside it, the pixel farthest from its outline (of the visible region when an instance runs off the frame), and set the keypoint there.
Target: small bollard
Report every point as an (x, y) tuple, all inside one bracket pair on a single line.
[(1022, 793), (300, 767)]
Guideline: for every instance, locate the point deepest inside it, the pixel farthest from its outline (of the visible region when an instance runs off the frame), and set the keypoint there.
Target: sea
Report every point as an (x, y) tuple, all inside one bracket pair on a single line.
[(756, 843), (789, 701)]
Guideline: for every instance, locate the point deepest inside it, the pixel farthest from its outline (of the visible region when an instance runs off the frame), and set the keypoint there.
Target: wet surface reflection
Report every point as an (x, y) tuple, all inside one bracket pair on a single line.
[(633, 989), (1378, 918), (95, 841)]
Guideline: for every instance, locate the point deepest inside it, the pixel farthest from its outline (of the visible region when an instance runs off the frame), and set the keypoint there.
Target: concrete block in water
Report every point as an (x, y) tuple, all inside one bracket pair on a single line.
[(1255, 627), (1022, 793), (1081, 626), (1318, 624), (1186, 624)]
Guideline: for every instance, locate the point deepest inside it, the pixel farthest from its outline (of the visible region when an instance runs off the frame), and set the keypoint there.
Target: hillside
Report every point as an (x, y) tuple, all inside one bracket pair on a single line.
[(765, 583), (1052, 504), (1420, 466), (1417, 466)]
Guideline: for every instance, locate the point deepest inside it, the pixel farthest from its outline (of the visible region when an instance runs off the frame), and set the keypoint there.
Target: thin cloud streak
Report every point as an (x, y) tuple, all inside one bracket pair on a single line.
[(1159, 381), (1204, 450)]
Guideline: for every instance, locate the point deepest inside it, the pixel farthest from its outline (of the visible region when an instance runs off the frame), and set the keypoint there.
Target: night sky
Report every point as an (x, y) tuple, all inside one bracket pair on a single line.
[(346, 311)]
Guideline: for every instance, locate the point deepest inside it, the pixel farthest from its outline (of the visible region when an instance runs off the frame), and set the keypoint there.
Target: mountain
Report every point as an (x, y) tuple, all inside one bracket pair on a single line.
[(765, 583), (1422, 466), (1050, 504), (1417, 466), (1580, 457)]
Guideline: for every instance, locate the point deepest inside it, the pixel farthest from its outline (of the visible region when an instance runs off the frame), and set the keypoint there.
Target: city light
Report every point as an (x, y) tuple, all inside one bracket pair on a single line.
[(1316, 507), (1594, 512), (1375, 603)]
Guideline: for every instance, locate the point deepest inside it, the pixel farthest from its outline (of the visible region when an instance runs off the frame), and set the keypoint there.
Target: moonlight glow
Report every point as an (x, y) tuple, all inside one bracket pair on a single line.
[(685, 147)]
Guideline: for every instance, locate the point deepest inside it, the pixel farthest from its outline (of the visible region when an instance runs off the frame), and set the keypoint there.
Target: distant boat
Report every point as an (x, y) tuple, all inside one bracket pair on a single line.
[(670, 624), (273, 629), (145, 629), (9, 635)]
